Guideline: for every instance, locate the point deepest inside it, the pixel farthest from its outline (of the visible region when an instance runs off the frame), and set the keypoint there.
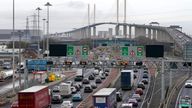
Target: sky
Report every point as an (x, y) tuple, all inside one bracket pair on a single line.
[(69, 14)]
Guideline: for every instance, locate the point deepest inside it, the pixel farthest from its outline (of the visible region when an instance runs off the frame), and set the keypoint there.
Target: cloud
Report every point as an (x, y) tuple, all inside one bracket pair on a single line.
[(76, 4)]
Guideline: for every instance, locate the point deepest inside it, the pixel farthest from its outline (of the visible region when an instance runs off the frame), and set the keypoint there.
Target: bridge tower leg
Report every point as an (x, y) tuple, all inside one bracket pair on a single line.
[(149, 33), (117, 30), (154, 34), (139, 31), (125, 31), (130, 32), (94, 32)]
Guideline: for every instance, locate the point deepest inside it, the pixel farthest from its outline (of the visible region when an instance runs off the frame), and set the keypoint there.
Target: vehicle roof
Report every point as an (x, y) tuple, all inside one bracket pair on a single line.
[(104, 92), (33, 89), (127, 70)]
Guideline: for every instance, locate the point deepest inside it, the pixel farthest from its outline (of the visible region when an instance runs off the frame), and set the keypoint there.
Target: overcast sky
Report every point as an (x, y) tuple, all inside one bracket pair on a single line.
[(68, 14)]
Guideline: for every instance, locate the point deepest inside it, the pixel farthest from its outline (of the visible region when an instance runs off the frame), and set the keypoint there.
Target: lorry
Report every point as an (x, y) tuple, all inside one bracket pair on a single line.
[(105, 98), (65, 90), (127, 78), (34, 97), (79, 75)]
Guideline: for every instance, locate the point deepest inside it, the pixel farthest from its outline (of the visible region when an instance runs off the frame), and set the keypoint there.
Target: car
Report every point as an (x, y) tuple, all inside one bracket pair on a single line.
[(56, 89), (145, 81), (91, 77), (7, 65), (141, 85), (96, 72), (135, 70), (56, 98), (77, 97), (78, 78), (80, 84), (88, 89), (133, 101), (15, 104), (118, 96), (107, 70), (145, 72), (77, 86), (70, 82), (137, 97), (94, 85), (145, 68), (73, 90), (134, 76), (188, 84), (126, 105), (145, 75), (139, 91), (98, 80), (67, 104), (86, 81)]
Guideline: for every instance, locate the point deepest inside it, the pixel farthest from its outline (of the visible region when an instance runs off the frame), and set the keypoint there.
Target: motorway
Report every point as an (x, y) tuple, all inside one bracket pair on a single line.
[(183, 92), (128, 94), (156, 95), (84, 95)]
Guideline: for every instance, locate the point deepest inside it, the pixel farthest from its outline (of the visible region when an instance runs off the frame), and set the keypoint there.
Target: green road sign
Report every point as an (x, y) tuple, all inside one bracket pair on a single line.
[(85, 50), (140, 51), (70, 50), (124, 51)]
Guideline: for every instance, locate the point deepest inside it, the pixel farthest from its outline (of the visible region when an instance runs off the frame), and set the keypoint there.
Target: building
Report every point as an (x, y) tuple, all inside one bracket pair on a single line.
[(26, 35)]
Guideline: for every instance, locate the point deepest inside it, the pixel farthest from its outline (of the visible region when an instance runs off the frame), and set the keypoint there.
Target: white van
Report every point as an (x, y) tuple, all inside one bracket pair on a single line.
[(65, 90)]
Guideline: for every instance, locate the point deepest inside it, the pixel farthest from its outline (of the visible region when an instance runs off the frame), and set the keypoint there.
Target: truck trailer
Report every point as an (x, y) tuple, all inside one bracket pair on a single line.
[(34, 97), (127, 77), (105, 98)]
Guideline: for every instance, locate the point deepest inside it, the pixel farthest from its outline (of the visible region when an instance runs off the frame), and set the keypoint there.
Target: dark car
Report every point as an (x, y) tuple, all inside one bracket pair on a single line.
[(88, 89), (135, 76), (141, 85), (78, 78), (133, 101), (135, 70), (145, 68), (145, 75), (86, 81), (145, 72), (56, 99), (106, 74), (98, 80), (91, 77), (145, 81), (118, 96)]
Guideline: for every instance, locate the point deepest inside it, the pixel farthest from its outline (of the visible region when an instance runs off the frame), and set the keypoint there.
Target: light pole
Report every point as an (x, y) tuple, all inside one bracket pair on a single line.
[(19, 34), (38, 10), (44, 34), (48, 4), (13, 35)]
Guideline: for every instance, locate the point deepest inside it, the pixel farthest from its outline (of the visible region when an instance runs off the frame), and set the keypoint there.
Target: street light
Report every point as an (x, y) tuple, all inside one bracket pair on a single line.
[(38, 10), (48, 4), (20, 34), (13, 35), (44, 34)]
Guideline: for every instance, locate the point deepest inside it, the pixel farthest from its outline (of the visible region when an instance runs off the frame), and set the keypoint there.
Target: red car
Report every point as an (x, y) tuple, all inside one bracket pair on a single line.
[(15, 104), (139, 91)]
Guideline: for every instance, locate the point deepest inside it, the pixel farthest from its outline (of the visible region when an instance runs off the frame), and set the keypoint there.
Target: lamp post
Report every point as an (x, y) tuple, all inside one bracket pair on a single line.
[(19, 34), (44, 34), (48, 4), (13, 35), (38, 10)]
